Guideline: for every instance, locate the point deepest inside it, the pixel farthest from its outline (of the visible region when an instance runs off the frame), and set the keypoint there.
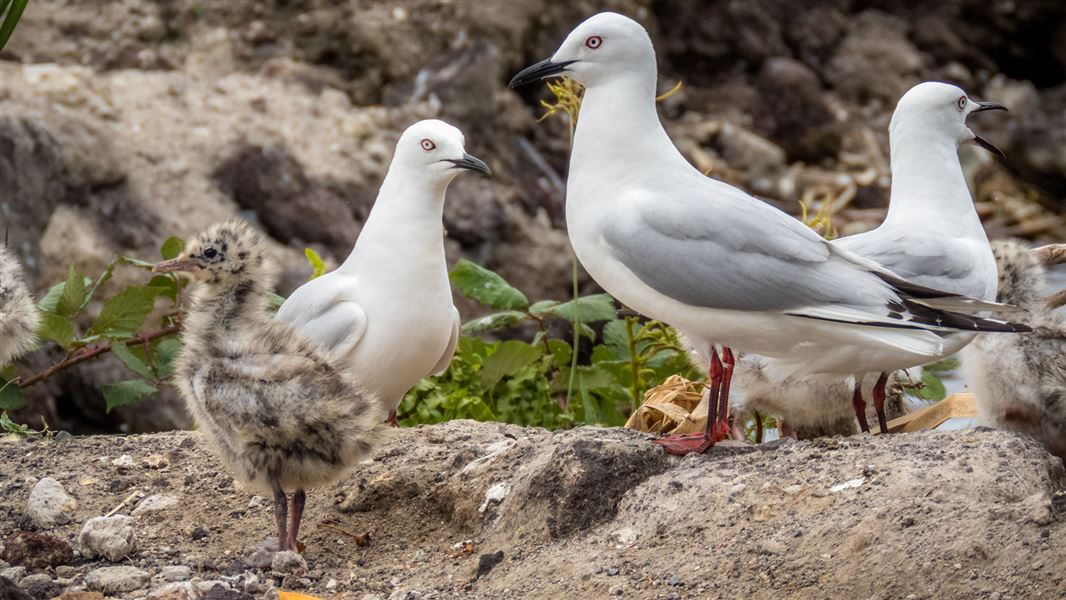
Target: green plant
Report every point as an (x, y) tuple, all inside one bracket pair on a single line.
[(12, 12)]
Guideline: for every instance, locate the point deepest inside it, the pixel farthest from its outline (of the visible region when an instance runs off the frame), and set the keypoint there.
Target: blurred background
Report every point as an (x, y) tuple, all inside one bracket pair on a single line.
[(125, 122)]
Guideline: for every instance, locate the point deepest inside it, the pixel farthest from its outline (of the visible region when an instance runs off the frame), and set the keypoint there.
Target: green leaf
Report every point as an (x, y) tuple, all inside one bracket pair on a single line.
[(511, 357), (172, 247), (932, 389), (125, 393), (74, 294), (493, 322), (317, 266), (124, 312), (561, 352), (132, 363), (274, 301), (51, 298), (166, 351), (10, 392), (167, 286), (486, 287), (598, 307), (10, 19), (56, 328), (538, 308)]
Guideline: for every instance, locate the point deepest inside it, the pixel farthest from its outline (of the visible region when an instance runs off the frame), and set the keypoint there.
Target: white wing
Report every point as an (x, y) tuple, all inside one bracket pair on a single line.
[(449, 352), (323, 310)]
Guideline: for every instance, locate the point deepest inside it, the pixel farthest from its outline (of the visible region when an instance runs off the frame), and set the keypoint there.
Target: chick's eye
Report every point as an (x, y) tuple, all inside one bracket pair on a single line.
[(428, 145), (210, 253), (593, 42), (961, 102)]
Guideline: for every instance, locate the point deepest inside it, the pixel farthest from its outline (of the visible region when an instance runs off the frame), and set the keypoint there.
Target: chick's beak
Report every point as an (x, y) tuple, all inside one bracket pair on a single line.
[(470, 162), (541, 70), (173, 265)]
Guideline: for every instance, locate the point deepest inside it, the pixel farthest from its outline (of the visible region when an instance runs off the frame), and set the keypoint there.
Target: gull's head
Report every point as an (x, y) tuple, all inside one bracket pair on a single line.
[(225, 252), (603, 48), (435, 148), (940, 110)]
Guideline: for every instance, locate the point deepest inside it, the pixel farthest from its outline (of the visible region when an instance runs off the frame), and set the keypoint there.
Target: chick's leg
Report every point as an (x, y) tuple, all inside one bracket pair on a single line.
[(879, 402), (281, 510), (299, 498)]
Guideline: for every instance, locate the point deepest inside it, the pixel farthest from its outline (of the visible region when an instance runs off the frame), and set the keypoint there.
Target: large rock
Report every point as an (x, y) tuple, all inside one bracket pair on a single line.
[(107, 537), (49, 504), (36, 550), (116, 580)]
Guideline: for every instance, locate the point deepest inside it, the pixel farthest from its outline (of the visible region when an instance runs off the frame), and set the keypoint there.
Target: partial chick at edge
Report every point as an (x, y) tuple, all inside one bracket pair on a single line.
[(18, 312)]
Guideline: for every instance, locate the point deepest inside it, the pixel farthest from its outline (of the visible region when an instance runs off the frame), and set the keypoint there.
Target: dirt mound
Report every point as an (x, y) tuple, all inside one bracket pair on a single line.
[(481, 510)]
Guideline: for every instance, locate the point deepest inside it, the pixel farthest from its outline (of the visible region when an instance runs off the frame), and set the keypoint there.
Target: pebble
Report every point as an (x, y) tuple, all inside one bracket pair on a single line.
[(287, 563), (109, 537), (50, 505), (111, 580), (676, 581), (66, 571), (182, 590), (13, 573), (34, 580), (175, 572), (124, 462), (40, 585), (155, 502)]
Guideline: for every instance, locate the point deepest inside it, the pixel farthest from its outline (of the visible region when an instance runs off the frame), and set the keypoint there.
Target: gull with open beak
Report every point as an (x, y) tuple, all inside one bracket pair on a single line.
[(388, 308), (711, 260)]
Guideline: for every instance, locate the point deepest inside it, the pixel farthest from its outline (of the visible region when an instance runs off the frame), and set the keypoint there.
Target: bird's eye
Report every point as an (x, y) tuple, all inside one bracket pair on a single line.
[(593, 41), (428, 145), (210, 253), (961, 102)]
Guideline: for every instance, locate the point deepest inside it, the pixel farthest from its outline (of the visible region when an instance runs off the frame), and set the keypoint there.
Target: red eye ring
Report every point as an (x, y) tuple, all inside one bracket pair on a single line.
[(428, 145), (593, 41), (961, 102)]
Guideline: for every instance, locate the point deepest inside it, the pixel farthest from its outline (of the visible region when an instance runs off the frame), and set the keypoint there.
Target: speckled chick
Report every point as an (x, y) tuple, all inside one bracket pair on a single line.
[(281, 412), (1019, 382), (18, 313)]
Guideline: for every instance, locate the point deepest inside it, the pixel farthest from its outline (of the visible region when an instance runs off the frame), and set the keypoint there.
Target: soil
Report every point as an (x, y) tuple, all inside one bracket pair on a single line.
[(485, 510)]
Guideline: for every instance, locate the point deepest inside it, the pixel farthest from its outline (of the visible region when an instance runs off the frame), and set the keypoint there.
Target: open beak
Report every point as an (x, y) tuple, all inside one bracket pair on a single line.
[(980, 141), (545, 68), (171, 266), (470, 162)]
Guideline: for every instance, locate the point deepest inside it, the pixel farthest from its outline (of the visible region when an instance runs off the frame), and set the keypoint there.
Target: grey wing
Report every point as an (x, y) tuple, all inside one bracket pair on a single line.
[(738, 254), (920, 256), (449, 352)]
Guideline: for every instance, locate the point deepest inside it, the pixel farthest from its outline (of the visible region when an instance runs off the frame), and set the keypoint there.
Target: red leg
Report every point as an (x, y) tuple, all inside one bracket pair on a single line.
[(392, 420), (860, 406), (785, 430), (700, 442), (879, 402), (299, 498), (723, 397)]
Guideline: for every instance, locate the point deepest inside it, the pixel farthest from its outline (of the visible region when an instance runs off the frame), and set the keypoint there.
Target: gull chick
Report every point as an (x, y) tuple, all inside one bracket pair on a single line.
[(1019, 382), (388, 308), (708, 258), (18, 313), (279, 411), (931, 236)]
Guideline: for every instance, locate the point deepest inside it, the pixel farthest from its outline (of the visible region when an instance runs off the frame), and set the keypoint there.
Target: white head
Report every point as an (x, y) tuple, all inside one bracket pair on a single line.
[(604, 48), (435, 148), (939, 109)]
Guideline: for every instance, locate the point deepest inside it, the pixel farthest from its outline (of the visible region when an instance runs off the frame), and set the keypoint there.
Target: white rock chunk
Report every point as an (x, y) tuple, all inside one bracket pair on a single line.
[(154, 503), (109, 537), (116, 580), (50, 505)]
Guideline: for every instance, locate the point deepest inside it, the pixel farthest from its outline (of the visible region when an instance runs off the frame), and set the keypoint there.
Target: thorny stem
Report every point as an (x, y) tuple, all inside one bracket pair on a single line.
[(87, 353)]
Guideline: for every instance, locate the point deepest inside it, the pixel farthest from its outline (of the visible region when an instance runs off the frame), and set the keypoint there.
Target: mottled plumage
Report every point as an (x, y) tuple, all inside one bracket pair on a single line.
[(1019, 381), (281, 412), (18, 313)]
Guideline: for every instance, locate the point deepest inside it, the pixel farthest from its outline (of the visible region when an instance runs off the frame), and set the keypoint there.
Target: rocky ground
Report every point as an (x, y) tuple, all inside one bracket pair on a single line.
[(480, 510), (126, 122)]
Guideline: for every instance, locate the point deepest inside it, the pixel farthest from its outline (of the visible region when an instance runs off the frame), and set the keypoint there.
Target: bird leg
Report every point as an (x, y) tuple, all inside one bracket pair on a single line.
[(281, 509), (879, 402), (393, 422), (784, 430), (723, 397), (299, 498), (860, 406), (700, 442)]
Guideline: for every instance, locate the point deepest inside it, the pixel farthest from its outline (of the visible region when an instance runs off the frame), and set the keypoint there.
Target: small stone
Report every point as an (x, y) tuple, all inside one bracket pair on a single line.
[(111, 580), (50, 505), (288, 563), (626, 535), (773, 547), (175, 572), (676, 581), (66, 572), (40, 585), (13, 573), (109, 537), (995, 596), (331, 584), (80, 595), (612, 571), (124, 462), (183, 590), (36, 550), (155, 502), (35, 579), (403, 594), (156, 461), (793, 489)]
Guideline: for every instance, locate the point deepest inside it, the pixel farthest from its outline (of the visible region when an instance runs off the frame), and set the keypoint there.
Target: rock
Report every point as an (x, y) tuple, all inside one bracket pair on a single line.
[(124, 461), (288, 563), (40, 586), (10, 591), (153, 503), (36, 550), (13, 573), (49, 504), (182, 590), (112, 580), (109, 537), (175, 572), (80, 595), (875, 61), (221, 592), (793, 111)]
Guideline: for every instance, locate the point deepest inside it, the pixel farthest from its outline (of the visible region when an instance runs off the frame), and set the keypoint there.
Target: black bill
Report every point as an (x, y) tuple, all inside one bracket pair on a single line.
[(545, 68), (980, 141), (472, 163), (982, 106)]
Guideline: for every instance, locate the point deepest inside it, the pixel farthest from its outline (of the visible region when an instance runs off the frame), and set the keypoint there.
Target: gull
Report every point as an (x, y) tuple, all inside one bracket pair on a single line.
[(388, 308), (18, 313), (931, 235), (1019, 382), (706, 257), (281, 412)]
